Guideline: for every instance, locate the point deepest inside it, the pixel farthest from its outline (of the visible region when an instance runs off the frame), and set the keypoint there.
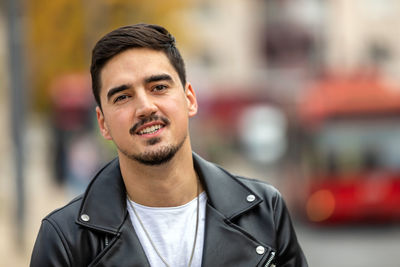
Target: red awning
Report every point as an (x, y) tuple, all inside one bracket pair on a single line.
[(348, 96)]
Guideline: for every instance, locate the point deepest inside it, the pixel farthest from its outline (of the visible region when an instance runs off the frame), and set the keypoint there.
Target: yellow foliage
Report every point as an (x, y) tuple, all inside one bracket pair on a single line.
[(61, 33)]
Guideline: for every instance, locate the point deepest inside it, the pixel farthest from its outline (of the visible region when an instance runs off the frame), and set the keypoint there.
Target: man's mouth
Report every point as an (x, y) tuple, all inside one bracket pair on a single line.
[(149, 125), (151, 129)]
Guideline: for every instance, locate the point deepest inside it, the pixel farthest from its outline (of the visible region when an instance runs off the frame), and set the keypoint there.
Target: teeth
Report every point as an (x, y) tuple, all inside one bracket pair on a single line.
[(150, 129)]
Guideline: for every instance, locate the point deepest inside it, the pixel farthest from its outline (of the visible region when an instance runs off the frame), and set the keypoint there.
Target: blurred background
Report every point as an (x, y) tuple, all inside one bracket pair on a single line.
[(303, 94)]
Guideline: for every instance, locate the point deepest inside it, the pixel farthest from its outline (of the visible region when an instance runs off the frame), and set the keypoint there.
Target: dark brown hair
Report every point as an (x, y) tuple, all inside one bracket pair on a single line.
[(134, 36)]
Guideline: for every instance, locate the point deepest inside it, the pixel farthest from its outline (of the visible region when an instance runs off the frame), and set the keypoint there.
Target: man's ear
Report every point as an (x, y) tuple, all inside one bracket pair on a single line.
[(102, 124), (191, 99)]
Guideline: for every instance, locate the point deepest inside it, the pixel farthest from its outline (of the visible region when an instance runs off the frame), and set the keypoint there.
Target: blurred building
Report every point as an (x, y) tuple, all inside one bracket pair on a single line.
[(270, 45), (284, 44), (363, 33)]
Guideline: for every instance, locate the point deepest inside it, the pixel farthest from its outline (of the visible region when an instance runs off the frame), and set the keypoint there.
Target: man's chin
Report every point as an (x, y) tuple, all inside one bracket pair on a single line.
[(153, 161), (155, 158), (157, 154)]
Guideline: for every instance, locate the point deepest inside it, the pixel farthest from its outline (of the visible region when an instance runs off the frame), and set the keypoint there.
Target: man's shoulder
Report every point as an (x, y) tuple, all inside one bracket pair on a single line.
[(263, 189), (257, 185), (101, 182), (253, 184), (67, 213), (218, 178)]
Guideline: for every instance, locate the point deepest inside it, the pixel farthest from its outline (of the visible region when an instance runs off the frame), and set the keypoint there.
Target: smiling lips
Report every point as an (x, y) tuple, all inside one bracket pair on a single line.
[(149, 126), (150, 129)]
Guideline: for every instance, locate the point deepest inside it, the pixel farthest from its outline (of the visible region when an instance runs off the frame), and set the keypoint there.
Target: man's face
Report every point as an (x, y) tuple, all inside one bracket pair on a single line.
[(145, 109)]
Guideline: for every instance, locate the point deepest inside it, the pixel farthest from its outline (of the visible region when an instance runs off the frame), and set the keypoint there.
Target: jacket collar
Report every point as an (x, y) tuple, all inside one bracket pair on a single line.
[(223, 189), (104, 201)]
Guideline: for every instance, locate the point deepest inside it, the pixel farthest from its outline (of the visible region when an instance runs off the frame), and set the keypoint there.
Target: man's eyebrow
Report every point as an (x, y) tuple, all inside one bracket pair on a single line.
[(117, 89), (159, 77)]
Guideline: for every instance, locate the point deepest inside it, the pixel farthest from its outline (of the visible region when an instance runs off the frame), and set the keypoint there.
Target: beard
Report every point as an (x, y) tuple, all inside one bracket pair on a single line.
[(157, 157)]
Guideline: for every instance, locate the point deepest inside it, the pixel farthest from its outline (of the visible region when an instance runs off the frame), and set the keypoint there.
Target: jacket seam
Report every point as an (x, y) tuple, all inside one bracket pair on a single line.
[(62, 238), (275, 201), (98, 228)]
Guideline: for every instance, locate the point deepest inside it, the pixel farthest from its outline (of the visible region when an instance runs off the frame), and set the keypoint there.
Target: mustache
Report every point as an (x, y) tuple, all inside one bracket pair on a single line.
[(147, 120)]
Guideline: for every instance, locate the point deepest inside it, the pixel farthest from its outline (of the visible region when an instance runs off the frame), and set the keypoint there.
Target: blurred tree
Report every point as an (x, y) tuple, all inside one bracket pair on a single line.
[(61, 33), (56, 38)]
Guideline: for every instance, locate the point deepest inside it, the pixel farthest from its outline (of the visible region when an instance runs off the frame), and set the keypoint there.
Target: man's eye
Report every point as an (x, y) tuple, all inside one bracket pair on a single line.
[(120, 98), (159, 87)]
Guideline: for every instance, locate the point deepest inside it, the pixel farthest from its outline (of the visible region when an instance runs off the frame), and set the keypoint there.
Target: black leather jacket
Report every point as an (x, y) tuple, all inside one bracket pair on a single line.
[(95, 229)]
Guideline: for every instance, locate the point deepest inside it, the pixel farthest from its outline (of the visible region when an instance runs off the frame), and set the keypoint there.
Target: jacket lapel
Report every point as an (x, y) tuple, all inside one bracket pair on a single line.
[(124, 250), (224, 192), (105, 204), (225, 243)]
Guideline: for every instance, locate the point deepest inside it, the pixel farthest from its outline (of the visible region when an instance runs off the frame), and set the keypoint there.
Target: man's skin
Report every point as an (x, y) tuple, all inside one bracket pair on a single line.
[(136, 85)]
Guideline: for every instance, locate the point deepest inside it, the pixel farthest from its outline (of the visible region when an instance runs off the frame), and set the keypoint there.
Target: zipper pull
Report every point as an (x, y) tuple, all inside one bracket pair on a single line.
[(271, 257)]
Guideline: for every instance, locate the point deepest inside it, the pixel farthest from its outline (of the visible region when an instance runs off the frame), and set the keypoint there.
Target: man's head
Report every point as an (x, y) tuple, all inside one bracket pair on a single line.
[(144, 101), (134, 36)]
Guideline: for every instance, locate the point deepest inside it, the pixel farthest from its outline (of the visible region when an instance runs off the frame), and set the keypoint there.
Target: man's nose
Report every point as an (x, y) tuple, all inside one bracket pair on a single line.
[(145, 106)]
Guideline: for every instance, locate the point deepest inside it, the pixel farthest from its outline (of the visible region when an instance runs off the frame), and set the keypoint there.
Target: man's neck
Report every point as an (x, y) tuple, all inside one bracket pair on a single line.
[(170, 184)]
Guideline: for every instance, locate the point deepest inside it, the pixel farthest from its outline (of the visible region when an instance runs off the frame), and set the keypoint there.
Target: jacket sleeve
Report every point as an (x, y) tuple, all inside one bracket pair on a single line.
[(289, 251), (50, 248)]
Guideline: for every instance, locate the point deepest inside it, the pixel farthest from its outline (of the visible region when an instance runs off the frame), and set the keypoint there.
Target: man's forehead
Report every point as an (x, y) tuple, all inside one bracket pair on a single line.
[(139, 54), (136, 64)]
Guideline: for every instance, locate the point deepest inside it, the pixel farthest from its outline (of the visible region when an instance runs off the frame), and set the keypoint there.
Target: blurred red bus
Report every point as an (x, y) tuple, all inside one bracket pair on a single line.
[(352, 151)]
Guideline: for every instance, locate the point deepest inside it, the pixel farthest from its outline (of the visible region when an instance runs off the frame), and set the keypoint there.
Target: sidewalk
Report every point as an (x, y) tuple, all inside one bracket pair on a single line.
[(42, 195)]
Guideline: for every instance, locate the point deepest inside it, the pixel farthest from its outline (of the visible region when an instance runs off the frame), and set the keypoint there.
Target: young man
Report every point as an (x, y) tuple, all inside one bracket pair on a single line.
[(158, 203)]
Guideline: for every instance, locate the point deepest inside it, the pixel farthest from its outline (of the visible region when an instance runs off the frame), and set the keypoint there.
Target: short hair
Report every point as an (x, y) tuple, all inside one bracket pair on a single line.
[(134, 36)]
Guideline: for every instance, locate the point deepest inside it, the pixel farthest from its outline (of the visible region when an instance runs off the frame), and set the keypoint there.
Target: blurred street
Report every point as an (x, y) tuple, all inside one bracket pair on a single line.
[(42, 195), (356, 246)]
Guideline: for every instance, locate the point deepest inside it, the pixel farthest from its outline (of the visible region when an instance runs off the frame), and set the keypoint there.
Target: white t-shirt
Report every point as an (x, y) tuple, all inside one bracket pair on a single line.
[(172, 231)]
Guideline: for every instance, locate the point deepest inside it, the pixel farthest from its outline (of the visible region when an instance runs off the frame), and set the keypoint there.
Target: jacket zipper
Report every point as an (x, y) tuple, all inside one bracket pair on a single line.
[(271, 257), (106, 241)]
